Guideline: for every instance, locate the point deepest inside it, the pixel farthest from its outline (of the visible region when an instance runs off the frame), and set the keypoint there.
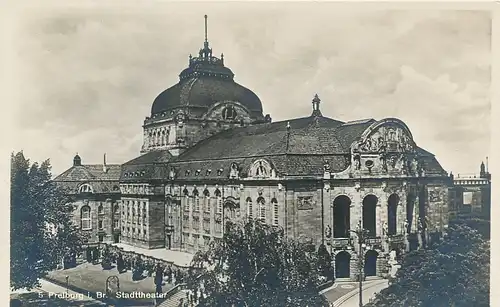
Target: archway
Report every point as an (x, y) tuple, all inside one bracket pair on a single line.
[(341, 216), (369, 214), (343, 265), (371, 263), (392, 212)]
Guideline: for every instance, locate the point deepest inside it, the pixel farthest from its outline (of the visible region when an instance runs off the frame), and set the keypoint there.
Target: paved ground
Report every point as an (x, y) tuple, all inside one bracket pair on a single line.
[(49, 294), (369, 290), (338, 290), (92, 278), (177, 257)]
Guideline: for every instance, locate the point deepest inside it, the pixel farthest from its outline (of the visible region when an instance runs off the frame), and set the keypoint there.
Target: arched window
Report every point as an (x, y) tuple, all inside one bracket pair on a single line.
[(274, 202), (262, 208), (100, 209), (229, 113), (249, 207), (86, 221), (86, 188)]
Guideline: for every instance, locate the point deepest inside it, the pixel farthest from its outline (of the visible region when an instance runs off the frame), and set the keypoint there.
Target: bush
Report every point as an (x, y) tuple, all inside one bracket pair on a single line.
[(138, 269), (120, 263), (324, 262), (106, 260)]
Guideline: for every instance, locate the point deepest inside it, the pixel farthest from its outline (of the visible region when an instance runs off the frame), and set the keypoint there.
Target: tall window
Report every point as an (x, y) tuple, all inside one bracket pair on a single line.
[(100, 209), (262, 208), (218, 196), (249, 207), (274, 202), (101, 226), (196, 203), (85, 218)]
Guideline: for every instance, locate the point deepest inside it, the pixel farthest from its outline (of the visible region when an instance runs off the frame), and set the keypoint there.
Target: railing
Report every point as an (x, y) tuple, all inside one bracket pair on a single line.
[(132, 254), (396, 238), (340, 242), (373, 241)]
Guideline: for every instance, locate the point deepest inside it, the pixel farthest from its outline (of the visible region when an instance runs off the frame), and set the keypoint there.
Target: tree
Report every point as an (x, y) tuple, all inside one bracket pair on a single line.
[(41, 230), (324, 262), (454, 272), (256, 265)]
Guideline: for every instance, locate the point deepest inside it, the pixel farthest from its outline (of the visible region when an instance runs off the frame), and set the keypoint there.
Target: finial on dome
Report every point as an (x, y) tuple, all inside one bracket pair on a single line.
[(206, 32), (222, 58), (316, 101)]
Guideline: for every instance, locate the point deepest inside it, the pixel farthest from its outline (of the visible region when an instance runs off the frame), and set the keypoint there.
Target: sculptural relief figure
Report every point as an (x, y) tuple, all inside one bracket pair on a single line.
[(261, 170), (414, 166), (406, 227), (393, 161), (357, 162), (385, 229), (273, 173), (326, 167), (384, 161), (381, 145), (328, 231), (234, 171)]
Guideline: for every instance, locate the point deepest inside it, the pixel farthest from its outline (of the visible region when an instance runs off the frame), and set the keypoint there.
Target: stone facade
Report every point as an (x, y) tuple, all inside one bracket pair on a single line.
[(209, 156)]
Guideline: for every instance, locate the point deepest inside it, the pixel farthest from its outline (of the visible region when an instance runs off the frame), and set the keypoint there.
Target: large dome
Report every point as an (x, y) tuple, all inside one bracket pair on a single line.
[(205, 82)]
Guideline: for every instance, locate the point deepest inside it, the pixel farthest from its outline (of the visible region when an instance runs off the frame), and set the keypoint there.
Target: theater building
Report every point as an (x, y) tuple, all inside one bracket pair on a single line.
[(210, 155)]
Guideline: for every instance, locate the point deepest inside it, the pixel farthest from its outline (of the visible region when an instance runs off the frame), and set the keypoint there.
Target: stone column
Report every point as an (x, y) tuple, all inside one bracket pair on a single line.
[(401, 217)]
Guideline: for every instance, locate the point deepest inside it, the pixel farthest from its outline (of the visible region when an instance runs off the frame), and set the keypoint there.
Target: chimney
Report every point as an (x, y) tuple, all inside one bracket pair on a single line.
[(104, 167)]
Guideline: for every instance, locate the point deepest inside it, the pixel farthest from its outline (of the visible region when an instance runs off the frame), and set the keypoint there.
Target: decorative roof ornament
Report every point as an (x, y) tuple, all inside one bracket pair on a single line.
[(315, 102), (205, 64)]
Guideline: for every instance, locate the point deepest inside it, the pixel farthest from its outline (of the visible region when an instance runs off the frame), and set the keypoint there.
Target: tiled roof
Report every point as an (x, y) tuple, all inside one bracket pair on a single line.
[(93, 174), (151, 165)]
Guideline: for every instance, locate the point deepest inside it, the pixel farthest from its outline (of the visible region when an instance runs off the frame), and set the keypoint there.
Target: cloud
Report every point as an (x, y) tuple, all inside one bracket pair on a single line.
[(87, 78)]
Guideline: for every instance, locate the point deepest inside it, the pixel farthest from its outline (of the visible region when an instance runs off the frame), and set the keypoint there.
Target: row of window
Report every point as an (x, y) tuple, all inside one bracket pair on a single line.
[(195, 204), (261, 209)]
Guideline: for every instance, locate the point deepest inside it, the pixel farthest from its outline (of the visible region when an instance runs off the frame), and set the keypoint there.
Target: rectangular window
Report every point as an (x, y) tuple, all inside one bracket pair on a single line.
[(250, 209), (197, 204), (219, 205), (101, 225)]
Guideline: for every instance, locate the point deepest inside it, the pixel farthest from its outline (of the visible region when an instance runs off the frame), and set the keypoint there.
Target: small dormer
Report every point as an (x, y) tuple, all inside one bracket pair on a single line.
[(77, 161)]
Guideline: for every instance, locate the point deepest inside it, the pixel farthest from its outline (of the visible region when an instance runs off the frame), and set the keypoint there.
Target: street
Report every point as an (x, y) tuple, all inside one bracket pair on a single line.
[(352, 298)]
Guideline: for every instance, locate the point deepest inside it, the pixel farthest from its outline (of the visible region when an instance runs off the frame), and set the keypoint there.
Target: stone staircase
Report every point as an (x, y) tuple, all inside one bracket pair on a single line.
[(175, 299)]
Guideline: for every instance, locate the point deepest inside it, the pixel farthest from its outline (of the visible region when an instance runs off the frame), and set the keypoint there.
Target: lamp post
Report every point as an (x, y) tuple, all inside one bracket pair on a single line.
[(361, 234)]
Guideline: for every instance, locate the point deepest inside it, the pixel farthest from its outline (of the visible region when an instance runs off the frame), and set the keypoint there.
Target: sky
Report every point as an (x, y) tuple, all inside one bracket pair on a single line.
[(85, 79)]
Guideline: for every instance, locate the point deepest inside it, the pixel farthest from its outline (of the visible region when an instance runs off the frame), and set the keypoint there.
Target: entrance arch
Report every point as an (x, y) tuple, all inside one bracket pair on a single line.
[(370, 215), (343, 265), (371, 263), (341, 216), (392, 211)]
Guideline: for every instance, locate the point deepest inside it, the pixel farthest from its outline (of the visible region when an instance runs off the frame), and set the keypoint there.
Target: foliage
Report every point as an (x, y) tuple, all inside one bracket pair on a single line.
[(138, 269), (120, 263), (324, 262), (480, 224), (106, 259), (454, 272), (42, 233), (256, 265)]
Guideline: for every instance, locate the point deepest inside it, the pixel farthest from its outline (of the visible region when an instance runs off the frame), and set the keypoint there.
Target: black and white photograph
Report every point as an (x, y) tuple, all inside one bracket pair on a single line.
[(248, 154)]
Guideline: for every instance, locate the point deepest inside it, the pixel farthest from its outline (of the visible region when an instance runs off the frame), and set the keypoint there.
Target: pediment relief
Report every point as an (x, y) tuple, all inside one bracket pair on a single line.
[(262, 169), (388, 138)]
